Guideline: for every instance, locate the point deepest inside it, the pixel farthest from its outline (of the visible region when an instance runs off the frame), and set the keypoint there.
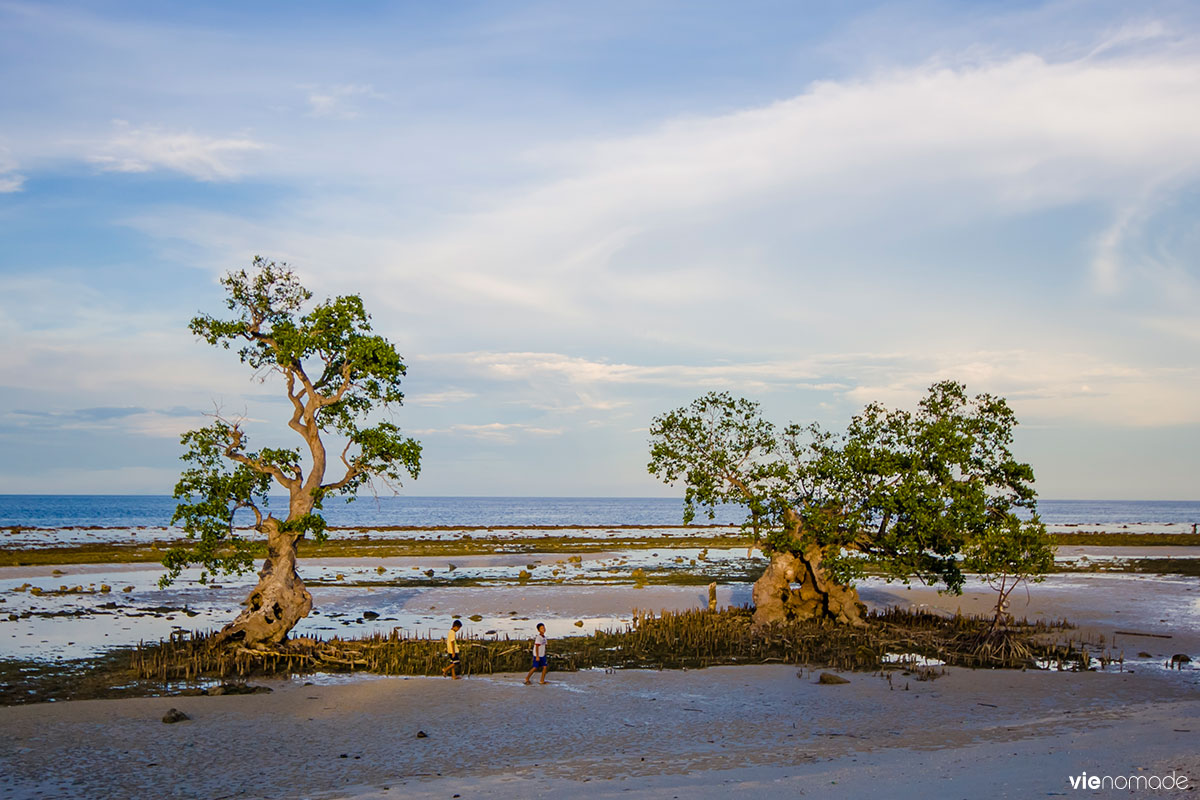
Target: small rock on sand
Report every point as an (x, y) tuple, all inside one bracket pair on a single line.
[(829, 679), (238, 688), (174, 715)]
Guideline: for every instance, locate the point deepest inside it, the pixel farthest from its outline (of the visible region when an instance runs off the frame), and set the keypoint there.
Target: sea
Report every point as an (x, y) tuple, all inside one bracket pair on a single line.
[(131, 511)]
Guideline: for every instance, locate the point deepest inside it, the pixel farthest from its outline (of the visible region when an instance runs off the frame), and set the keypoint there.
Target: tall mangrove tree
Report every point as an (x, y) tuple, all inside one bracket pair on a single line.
[(337, 377)]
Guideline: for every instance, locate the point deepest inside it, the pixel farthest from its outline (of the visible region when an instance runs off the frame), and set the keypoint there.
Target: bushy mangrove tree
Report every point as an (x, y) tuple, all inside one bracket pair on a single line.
[(909, 495)]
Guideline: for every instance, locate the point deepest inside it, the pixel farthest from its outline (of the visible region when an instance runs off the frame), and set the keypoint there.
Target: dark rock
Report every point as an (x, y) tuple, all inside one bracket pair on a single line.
[(370, 615), (422, 735), (1144, 654), (174, 715), (829, 679), (239, 688), (193, 691)]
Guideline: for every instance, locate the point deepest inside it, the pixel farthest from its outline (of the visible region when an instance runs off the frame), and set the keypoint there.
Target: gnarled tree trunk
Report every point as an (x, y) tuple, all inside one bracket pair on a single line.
[(280, 599), (818, 597)]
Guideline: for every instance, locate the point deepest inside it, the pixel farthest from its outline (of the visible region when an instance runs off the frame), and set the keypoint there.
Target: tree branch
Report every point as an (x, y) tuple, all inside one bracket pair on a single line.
[(296, 422), (258, 517), (232, 452), (352, 472), (346, 384)]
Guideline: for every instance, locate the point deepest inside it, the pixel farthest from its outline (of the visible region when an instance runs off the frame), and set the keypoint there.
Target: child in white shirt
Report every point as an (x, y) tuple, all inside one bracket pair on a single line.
[(539, 654)]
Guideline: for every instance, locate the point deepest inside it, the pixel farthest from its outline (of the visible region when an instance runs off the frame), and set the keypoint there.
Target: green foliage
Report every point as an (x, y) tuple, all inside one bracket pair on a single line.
[(902, 493), (719, 447), (338, 376), (1009, 554), (210, 491)]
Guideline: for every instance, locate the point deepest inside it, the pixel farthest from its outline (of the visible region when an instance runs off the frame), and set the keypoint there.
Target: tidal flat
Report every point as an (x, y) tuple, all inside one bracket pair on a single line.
[(76, 592), (638, 732)]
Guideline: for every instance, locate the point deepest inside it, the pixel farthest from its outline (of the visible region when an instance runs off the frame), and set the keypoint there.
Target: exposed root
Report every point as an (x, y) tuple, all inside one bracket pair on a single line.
[(687, 639)]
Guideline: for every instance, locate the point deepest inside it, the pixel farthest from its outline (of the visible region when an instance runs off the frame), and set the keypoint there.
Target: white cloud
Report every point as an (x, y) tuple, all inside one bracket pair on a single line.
[(204, 158), (1045, 386), (498, 432), (928, 144), (338, 102), (113, 480), (451, 395), (10, 179), (67, 338), (168, 426), (579, 371), (664, 232)]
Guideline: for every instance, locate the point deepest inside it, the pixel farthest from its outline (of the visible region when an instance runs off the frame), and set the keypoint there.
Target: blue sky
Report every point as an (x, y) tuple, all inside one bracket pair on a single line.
[(571, 218)]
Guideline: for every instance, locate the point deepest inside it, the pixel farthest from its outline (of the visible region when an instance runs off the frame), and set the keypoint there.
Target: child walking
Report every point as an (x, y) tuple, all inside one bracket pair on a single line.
[(452, 650), (539, 654)]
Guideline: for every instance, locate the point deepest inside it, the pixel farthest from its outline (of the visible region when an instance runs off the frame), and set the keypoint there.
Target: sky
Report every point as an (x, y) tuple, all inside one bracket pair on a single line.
[(571, 217)]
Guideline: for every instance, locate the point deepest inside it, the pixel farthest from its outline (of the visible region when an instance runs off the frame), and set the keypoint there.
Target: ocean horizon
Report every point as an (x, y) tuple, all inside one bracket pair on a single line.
[(119, 511)]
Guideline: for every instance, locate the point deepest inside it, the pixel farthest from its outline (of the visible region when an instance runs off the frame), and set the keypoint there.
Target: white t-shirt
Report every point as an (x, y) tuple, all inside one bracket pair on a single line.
[(539, 646)]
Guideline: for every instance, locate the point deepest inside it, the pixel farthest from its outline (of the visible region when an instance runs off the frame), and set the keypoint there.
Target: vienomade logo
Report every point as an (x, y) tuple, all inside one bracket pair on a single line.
[(1151, 782)]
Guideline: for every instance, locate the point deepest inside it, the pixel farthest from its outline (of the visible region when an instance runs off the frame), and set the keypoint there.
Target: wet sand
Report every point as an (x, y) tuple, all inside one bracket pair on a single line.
[(624, 734)]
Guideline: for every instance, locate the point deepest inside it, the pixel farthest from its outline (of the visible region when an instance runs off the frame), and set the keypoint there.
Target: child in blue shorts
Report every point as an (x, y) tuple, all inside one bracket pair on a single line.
[(539, 654)]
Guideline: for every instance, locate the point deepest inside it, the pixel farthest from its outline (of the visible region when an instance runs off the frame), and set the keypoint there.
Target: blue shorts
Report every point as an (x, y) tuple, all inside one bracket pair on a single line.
[(538, 663)]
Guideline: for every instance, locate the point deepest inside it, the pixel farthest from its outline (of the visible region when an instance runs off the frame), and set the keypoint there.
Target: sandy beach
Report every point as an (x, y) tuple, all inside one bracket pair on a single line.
[(626, 734)]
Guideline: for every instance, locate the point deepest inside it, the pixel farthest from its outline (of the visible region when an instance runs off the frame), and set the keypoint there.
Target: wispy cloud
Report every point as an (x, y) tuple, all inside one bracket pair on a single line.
[(445, 397), (497, 432), (10, 179), (1071, 386), (339, 102), (1074, 388), (575, 370), (1006, 137), (169, 423), (204, 158), (664, 230)]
